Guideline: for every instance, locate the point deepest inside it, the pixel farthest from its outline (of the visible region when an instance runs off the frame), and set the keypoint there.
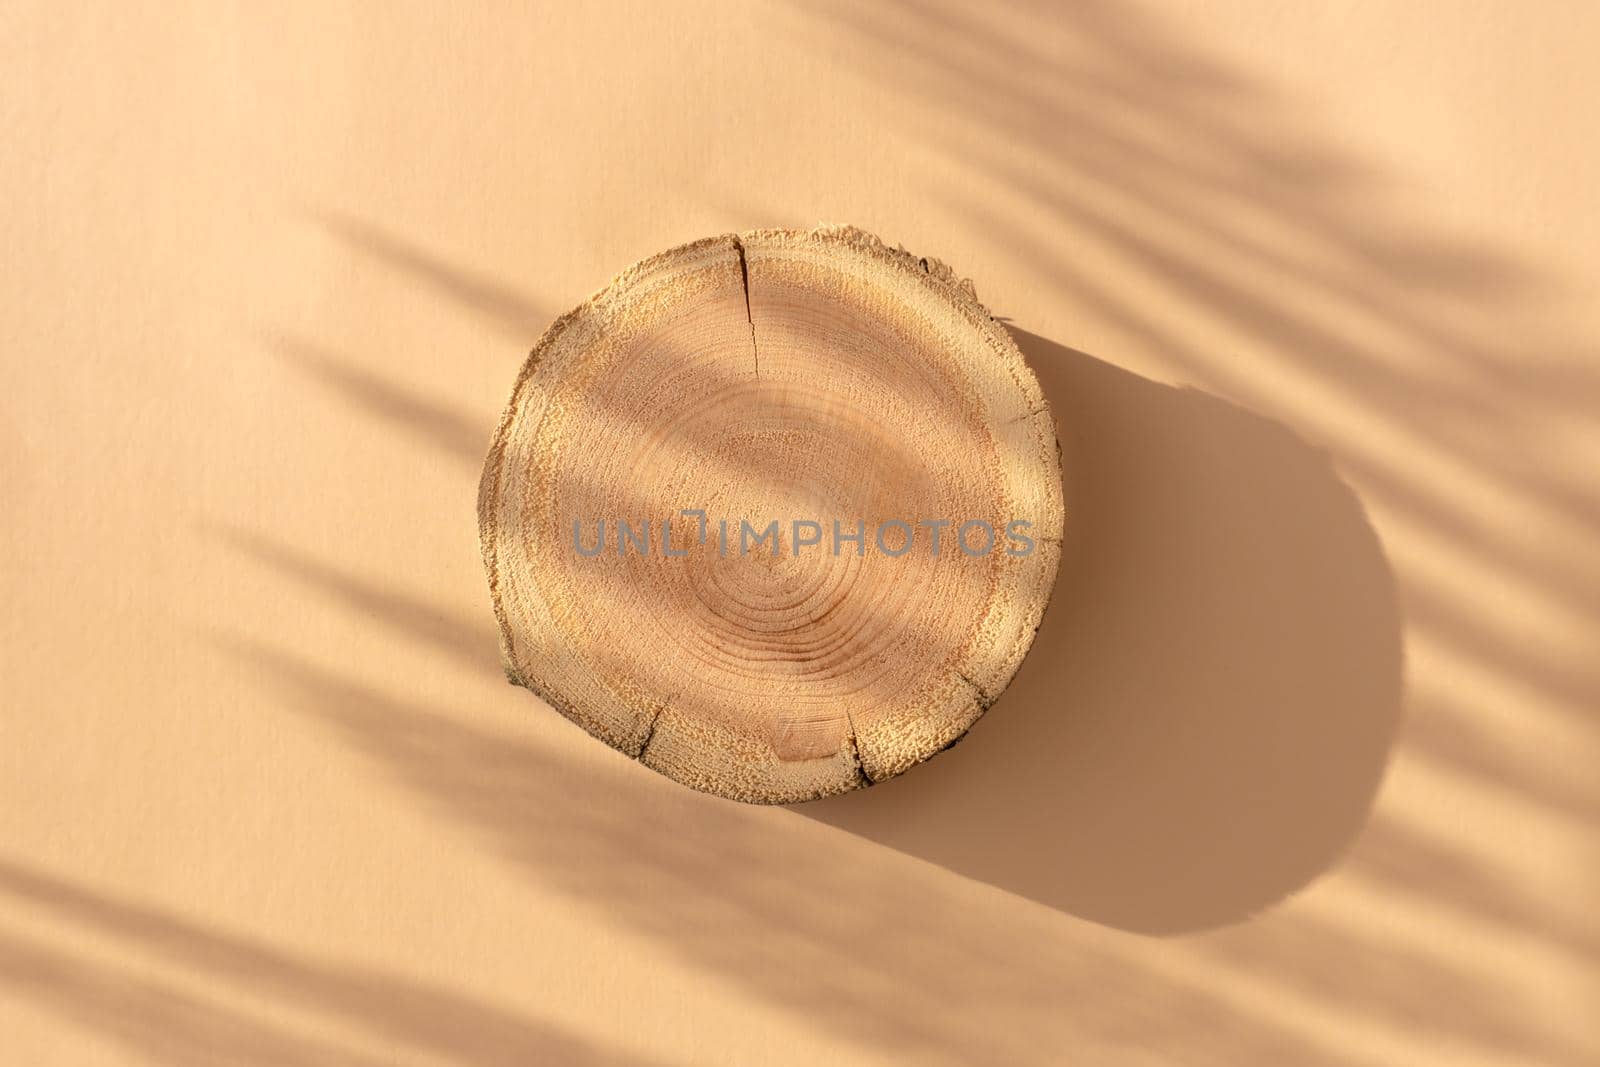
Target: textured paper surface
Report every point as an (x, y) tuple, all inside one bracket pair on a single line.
[(1301, 769)]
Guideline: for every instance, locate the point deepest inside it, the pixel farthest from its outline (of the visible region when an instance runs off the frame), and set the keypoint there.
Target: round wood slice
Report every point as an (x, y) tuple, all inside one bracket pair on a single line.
[(773, 376)]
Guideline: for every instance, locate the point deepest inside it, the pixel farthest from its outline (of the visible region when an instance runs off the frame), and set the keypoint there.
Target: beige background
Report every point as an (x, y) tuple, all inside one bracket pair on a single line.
[(1312, 288)]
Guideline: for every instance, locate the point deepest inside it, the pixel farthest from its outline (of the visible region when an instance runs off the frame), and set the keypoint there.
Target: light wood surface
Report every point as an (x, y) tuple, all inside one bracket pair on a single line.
[(817, 380)]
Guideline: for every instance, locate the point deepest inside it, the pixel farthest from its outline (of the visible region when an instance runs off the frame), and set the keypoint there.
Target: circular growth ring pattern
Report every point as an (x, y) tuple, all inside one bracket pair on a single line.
[(775, 513)]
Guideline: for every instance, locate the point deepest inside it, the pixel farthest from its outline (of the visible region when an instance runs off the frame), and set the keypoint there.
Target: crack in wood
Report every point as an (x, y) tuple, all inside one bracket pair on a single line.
[(983, 698), (650, 731), (744, 278), (855, 750)]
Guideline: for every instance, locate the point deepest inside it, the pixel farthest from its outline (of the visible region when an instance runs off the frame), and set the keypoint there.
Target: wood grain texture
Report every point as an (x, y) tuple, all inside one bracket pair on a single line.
[(789, 376)]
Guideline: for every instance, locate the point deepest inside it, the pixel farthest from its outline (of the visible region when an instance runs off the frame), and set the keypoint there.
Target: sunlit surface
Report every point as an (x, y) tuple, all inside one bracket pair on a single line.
[(1301, 771)]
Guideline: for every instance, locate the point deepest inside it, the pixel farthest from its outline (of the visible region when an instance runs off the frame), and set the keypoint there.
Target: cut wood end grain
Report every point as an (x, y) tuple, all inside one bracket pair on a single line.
[(787, 377)]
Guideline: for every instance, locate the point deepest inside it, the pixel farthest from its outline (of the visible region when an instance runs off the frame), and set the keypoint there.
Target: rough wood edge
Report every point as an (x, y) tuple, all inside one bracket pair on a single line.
[(962, 295)]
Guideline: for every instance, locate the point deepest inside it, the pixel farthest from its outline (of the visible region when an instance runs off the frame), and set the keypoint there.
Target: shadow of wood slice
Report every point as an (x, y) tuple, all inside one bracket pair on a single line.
[(775, 513)]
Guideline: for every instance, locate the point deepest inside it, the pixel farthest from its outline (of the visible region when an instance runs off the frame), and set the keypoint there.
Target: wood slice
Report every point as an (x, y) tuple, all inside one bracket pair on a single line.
[(773, 376)]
